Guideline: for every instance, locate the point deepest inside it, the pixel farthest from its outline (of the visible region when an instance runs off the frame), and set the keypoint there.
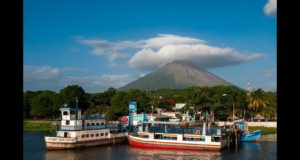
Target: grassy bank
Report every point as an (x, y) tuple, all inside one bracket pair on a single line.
[(266, 130), (41, 126)]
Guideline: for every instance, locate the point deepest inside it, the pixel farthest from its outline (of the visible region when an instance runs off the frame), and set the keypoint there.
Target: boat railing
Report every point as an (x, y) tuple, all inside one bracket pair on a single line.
[(84, 117), (93, 116), (94, 127), (118, 128), (177, 130), (80, 127)]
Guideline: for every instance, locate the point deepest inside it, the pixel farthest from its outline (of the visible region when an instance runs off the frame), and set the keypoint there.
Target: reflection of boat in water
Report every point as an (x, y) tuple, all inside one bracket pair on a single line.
[(251, 146), (168, 135), (78, 131), (145, 153), (247, 135)]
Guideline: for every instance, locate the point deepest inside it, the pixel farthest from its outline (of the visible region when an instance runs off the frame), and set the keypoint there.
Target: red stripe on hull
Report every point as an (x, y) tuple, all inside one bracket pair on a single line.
[(142, 145)]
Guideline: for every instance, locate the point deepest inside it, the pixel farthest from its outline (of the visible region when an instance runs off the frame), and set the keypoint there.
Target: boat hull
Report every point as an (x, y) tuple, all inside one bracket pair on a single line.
[(56, 145), (252, 136), (138, 142)]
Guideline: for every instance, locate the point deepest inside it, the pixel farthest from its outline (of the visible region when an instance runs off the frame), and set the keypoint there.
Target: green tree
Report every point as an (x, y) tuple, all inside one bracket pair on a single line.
[(45, 105), (69, 94), (119, 106), (258, 100)]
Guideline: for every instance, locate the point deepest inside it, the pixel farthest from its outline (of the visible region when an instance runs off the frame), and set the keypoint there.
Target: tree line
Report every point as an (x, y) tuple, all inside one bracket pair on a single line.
[(114, 104)]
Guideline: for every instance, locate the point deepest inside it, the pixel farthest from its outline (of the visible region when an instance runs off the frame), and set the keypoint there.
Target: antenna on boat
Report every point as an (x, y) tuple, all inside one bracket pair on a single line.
[(76, 102)]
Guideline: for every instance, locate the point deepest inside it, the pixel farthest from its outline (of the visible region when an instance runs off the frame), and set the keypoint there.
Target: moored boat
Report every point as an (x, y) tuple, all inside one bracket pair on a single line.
[(247, 136), (77, 131), (169, 135)]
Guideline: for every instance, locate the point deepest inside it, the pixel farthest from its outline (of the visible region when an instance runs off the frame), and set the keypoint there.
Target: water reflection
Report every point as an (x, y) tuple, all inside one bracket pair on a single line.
[(34, 148), (145, 154), (93, 153), (265, 148), (123, 151)]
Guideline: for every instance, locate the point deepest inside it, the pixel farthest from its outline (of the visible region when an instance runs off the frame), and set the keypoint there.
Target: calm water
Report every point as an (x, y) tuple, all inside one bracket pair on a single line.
[(34, 149)]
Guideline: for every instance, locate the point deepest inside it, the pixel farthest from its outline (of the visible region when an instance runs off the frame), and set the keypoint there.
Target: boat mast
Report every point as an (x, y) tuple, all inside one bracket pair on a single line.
[(76, 102), (248, 93)]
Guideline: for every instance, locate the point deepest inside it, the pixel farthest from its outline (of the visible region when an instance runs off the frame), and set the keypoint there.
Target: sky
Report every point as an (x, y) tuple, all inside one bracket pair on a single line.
[(109, 43)]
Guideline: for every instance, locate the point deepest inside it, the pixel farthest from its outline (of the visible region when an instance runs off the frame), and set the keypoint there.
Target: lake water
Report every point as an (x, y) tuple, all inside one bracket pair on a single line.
[(34, 149)]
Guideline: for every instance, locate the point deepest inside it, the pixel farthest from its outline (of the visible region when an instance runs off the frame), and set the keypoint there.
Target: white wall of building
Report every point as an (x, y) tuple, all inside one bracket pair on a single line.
[(252, 124)]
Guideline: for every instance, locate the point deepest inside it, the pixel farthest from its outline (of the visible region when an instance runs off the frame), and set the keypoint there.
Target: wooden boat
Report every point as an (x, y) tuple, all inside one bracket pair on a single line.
[(247, 136), (167, 135)]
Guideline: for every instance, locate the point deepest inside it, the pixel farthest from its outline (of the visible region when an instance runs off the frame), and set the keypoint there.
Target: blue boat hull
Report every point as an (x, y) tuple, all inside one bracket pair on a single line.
[(252, 136)]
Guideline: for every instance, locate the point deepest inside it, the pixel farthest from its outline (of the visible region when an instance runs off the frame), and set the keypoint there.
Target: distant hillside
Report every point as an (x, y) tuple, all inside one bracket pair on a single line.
[(176, 75)]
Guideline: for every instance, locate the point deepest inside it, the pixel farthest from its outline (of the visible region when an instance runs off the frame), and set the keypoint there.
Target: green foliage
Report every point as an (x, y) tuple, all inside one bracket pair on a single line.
[(266, 130), (259, 101), (120, 102), (69, 94), (38, 126), (46, 104)]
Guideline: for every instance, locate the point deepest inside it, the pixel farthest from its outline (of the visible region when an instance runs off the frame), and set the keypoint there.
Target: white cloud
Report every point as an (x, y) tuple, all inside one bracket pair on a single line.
[(44, 73), (46, 77), (270, 72), (169, 39), (271, 7), (204, 55), (114, 56), (154, 52)]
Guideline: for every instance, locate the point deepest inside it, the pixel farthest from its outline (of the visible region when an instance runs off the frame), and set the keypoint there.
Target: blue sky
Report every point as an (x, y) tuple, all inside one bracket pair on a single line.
[(101, 44)]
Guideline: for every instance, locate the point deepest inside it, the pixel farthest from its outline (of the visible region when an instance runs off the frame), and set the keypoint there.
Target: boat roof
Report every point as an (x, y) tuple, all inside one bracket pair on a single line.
[(161, 122), (69, 109)]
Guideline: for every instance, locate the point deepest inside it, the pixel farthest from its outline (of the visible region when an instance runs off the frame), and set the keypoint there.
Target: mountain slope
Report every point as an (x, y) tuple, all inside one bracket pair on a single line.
[(176, 75)]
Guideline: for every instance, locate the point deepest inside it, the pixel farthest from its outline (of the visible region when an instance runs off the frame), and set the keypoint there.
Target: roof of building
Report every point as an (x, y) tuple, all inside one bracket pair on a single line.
[(70, 109), (235, 117), (258, 116), (159, 116)]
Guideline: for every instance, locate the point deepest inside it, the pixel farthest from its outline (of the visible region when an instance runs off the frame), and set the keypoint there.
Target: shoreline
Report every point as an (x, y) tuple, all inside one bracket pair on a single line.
[(50, 125), (39, 126)]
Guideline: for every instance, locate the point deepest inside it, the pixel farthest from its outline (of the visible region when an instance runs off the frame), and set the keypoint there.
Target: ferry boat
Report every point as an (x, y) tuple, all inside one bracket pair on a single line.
[(77, 131), (247, 136), (169, 135)]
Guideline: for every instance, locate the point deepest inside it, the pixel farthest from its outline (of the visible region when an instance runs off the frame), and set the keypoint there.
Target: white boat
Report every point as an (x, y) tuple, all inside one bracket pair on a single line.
[(168, 135), (77, 131)]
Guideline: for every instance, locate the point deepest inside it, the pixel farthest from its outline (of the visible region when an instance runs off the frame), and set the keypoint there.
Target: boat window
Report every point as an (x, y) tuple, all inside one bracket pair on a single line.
[(67, 122), (97, 124), (106, 134), (102, 123), (83, 136), (186, 139), (202, 139), (92, 135), (97, 135), (65, 113), (93, 124), (144, 136), (169, 138), (102, 134), (88, 124), (215, 139), (87, 135), (157, 136)]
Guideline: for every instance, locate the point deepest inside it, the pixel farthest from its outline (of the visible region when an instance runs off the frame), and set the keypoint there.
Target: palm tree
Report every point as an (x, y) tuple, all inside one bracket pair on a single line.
[(258, 100)]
